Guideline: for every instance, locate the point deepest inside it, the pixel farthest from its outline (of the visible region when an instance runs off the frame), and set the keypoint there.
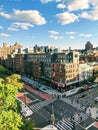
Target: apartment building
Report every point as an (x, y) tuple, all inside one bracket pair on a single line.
[(58, 69), (90, 57), (85, 71), (5, 50), (18, 64)]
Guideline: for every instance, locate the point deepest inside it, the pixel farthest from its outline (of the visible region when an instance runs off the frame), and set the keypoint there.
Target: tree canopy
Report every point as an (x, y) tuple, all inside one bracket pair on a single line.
[(28, 125), (15, 80), (7, 96), (10, 120), (4, 71)]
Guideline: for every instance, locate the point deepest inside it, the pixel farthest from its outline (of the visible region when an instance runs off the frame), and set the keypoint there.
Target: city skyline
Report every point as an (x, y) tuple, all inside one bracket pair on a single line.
[(49, 22)]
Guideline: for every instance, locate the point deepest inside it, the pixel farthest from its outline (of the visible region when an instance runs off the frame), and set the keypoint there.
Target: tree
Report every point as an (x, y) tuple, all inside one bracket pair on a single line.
[(91, 79), (4, 72), (7, 96), (15, 80), (28, 124), (10, 120)]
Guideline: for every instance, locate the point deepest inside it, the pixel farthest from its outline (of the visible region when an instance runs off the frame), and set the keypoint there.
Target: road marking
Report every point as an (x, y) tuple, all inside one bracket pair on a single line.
[(89, 126)]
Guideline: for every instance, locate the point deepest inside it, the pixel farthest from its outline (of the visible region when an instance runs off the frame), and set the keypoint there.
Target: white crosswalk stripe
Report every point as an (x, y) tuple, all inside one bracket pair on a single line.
[(64, 124), (39, 105), (67, 124), (74, 104)]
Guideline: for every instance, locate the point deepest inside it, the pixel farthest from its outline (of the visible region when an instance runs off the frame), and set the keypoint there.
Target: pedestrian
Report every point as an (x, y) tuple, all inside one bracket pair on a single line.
[(77, 101), (73, 124), (85, 109), (78, 113), (80, 118)]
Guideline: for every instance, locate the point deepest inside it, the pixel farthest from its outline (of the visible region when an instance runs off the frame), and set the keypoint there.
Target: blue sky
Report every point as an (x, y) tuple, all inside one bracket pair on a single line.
[(61, 23)]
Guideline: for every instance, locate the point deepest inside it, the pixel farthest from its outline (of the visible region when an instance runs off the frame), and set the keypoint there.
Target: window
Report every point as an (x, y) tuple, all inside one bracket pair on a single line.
[(76, 55)]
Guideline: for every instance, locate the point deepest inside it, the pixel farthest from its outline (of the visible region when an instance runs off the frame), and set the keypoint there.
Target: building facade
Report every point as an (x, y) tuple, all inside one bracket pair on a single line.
[(5, 50), (88, 46), (85, 71)]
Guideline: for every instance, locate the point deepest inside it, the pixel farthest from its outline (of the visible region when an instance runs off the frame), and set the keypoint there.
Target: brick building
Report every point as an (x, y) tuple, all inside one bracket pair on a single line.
[(59, 70), (18, 64)]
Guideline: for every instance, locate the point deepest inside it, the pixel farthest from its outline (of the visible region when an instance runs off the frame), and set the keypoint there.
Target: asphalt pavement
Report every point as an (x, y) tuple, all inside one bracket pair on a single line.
[(69, 112)]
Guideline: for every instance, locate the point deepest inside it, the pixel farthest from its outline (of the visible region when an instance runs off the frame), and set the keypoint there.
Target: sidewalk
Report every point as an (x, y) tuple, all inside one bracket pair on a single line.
[(93, 112)]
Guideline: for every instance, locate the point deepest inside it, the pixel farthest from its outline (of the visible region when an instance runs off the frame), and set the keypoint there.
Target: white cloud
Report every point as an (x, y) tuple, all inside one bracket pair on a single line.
[(8, 16), (61, 6), (12, 29), (54, 37), (69, 33), (85, 35), (78, 5), (1, 27), (71, 37), (4, 35), (46, 1), (24, 26), (32, 16), (91, 15), (53, 32), (66, 18)]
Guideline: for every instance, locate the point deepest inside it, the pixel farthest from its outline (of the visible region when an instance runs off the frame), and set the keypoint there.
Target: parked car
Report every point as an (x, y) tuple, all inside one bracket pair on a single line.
[(82, 95), (86, 88), (81, 90), (97, 115), (96, 99)]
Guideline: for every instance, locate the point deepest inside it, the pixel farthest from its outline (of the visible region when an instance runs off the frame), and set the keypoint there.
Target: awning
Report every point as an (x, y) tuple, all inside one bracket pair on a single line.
[(58, 84)]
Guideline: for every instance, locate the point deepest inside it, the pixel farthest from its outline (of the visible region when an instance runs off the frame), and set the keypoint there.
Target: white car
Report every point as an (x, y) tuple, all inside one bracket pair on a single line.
[(26, 111), (96, 99)]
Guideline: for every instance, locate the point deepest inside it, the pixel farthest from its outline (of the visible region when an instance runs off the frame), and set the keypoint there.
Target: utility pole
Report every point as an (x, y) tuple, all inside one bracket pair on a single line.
[(52, 116)]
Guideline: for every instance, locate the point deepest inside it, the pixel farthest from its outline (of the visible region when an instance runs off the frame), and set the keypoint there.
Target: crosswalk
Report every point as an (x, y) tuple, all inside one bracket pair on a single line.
[(68, 123), (39, 105), (74, 104), (64, 124)]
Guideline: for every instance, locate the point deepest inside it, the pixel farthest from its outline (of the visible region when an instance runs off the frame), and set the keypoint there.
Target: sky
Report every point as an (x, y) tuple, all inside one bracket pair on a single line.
[(60, 23)]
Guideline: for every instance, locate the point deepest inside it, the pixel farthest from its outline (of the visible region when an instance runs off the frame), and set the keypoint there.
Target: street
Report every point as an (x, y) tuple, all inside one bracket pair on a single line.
[(69, 112)]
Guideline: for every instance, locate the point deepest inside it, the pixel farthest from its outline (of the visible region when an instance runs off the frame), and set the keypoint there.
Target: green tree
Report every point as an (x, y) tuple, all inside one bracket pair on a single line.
[(7, 96), (15, 80), (10, 120), (91, 79), (4, 71), (28, 124)]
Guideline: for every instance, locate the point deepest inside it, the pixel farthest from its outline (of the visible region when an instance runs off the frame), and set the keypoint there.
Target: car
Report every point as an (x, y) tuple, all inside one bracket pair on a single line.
[(96, 99), (86, 88), (97, 115), (81, 90), (82, 95)]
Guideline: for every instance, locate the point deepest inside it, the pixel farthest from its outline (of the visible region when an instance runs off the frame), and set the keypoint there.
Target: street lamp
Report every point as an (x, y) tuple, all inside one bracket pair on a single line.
[(52, 116)]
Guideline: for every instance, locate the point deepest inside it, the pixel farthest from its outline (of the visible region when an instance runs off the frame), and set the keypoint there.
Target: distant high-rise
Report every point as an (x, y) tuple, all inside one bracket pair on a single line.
[(88, 46)]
